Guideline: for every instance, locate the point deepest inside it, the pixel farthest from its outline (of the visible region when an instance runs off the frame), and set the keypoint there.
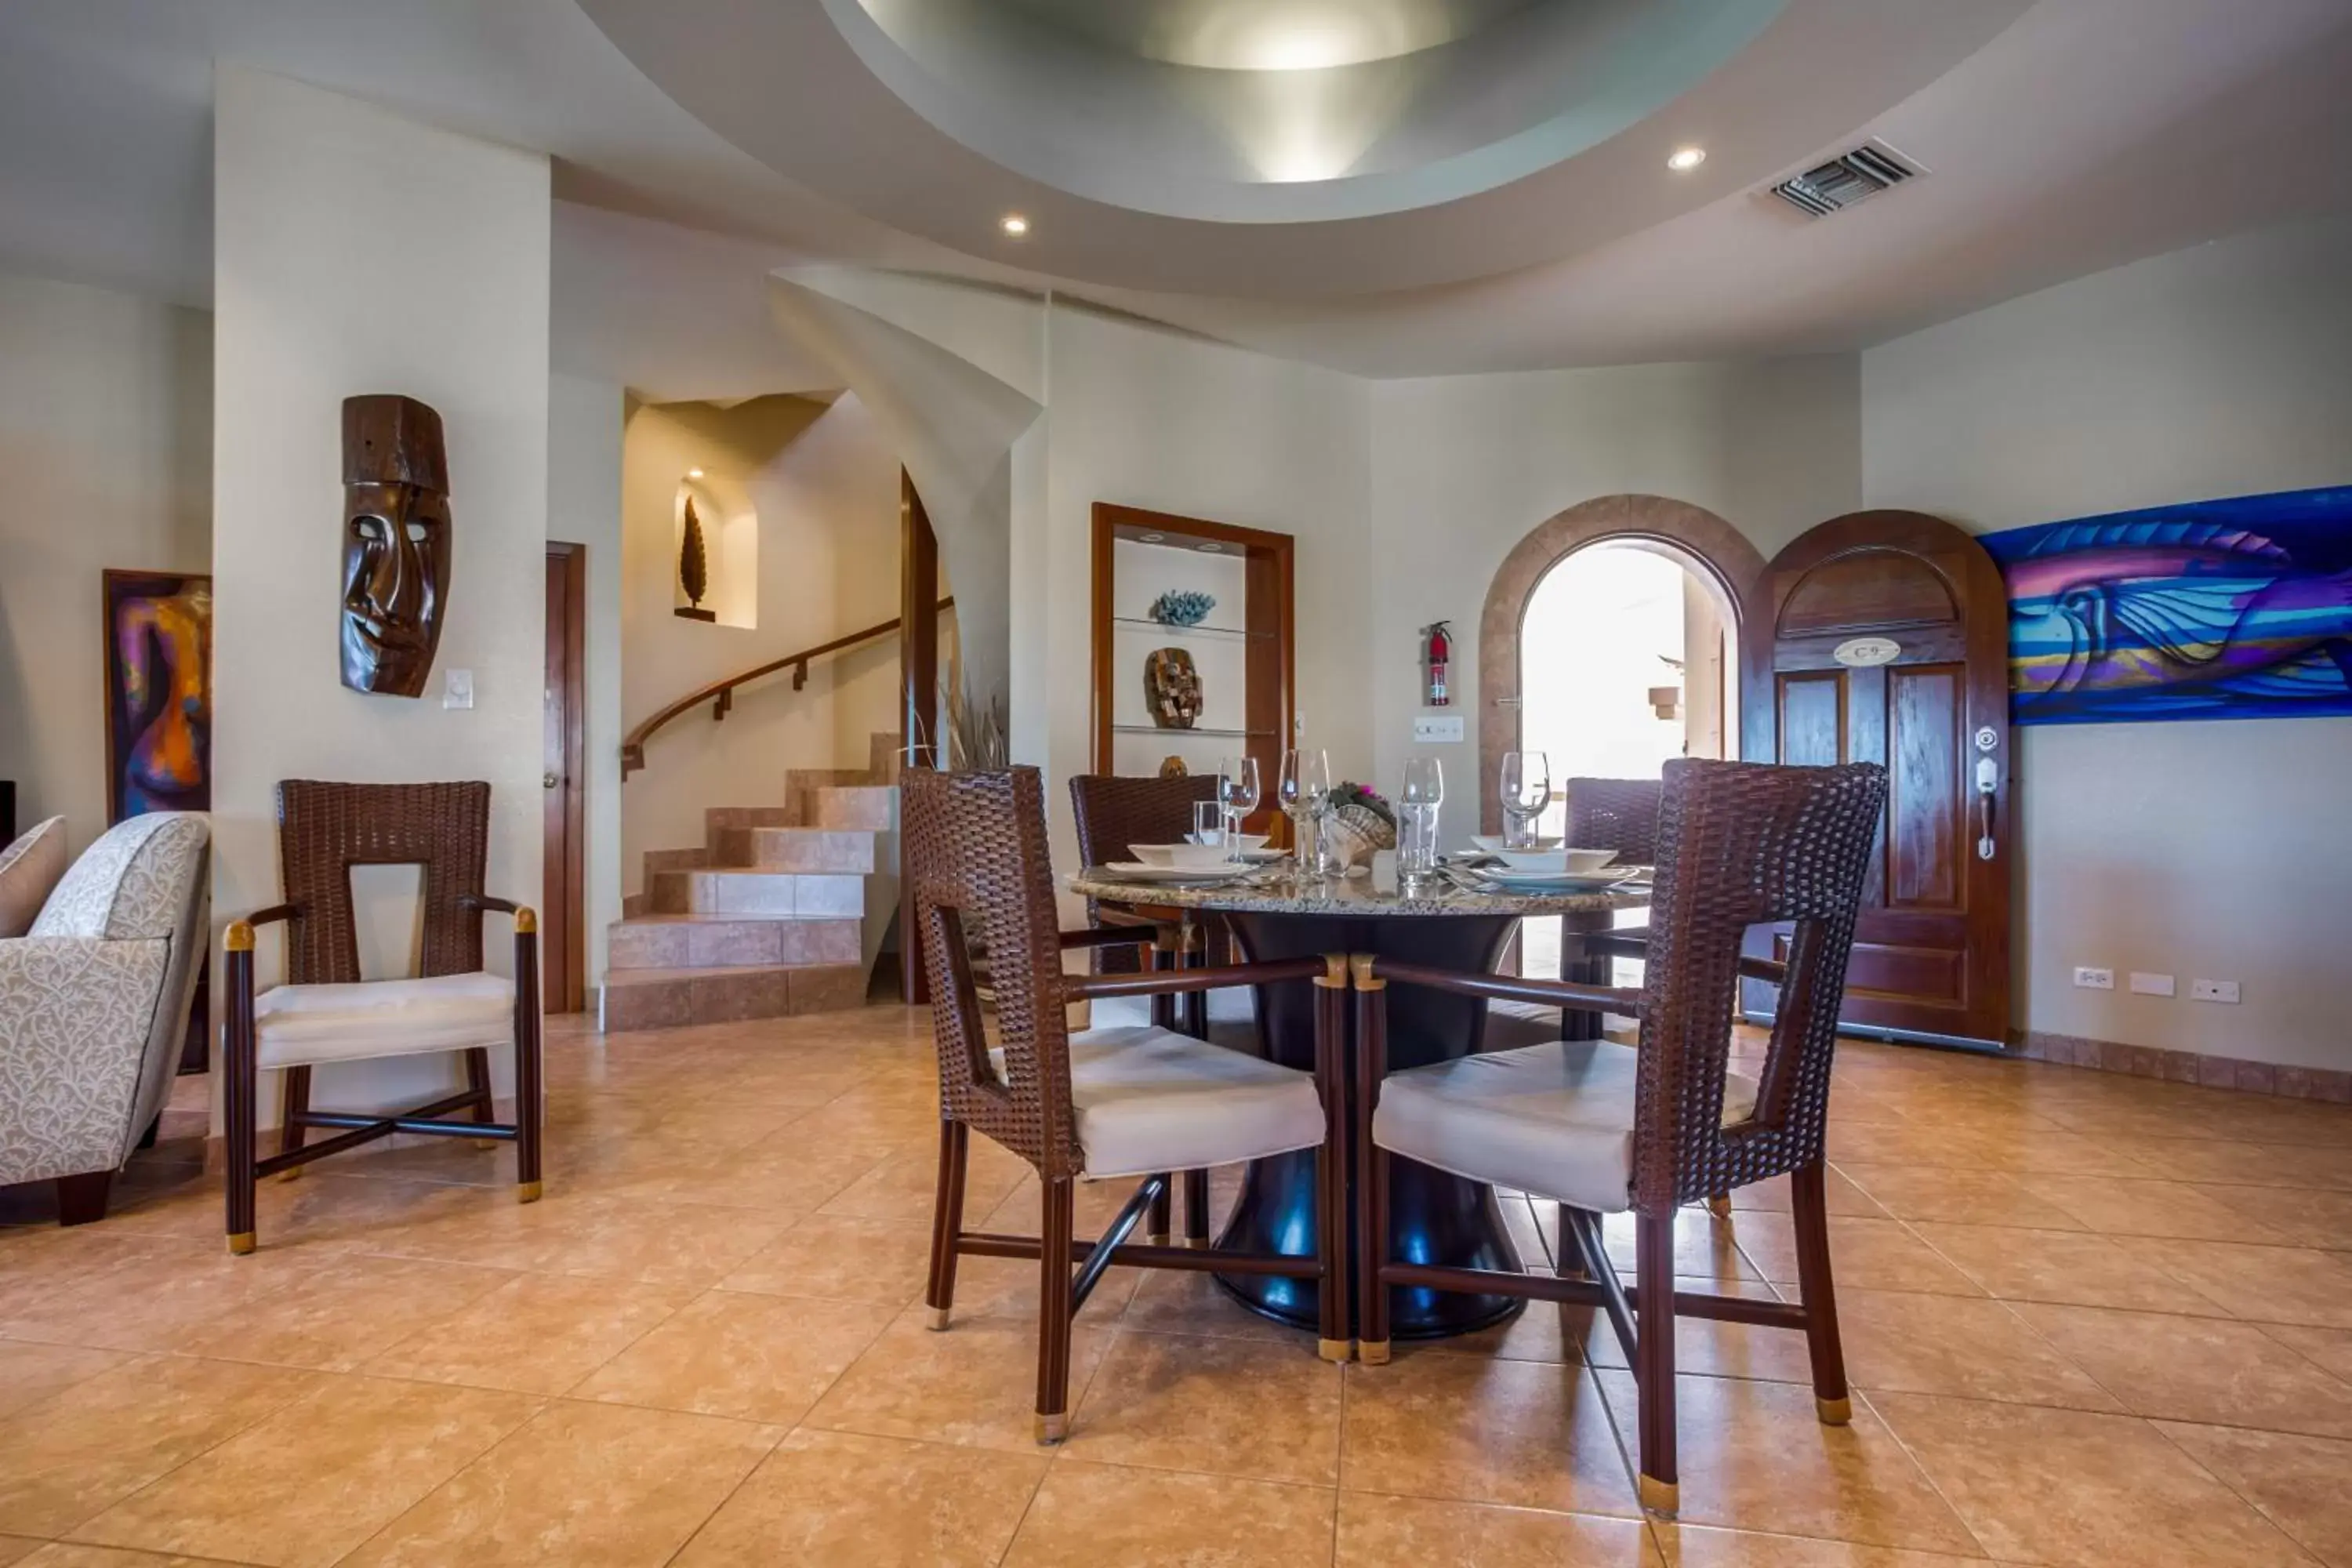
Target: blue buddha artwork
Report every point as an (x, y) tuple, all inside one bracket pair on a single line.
[(2219, 609)]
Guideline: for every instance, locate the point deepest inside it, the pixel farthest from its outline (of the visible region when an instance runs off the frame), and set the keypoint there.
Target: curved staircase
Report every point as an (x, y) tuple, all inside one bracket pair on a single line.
[(780, 912)]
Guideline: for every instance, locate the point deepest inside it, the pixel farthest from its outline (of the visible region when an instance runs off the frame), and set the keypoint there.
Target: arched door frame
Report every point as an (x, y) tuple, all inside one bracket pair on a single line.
[(1692, 534)]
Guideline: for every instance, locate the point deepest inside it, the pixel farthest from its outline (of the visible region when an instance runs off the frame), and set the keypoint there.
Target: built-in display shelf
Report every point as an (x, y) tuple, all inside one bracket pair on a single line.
[(1196, 730), (1226, 632)]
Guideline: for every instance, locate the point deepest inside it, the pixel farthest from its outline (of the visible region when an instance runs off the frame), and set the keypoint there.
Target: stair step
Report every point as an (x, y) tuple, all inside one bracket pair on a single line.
[(723, 890), (874, 807), (767, 849), (717, 819), (801, 785), (715, 942), (887, 754), (670, 998)]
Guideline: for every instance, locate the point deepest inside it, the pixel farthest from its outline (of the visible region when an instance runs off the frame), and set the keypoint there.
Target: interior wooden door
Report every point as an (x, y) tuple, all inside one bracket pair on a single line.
[(562, 942), (1883, 637)]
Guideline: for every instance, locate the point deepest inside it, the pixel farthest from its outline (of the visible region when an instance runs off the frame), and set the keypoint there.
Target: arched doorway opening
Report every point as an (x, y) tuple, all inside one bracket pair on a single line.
[(1610, 641)]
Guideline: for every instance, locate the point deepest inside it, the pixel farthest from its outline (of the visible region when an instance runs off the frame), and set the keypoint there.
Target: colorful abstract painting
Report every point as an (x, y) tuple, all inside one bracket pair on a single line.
[(158, 693), (2217, 609)]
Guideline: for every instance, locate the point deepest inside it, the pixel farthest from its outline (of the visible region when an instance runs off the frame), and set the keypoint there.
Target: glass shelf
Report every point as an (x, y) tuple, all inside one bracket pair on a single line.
[(1222, 735), (1232, 632)]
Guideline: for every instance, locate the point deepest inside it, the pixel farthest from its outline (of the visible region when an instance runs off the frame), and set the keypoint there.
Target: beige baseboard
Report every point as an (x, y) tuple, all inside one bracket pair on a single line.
[(2186, 1066)]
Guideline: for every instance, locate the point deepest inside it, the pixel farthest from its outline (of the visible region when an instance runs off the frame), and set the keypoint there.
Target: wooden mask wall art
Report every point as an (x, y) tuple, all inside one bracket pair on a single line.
[(396, 543)]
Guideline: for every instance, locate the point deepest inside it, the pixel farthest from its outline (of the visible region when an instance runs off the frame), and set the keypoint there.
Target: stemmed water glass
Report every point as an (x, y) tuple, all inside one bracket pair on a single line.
[(1237, 792), (1303, 790), (1527, 790), (1418, 804)]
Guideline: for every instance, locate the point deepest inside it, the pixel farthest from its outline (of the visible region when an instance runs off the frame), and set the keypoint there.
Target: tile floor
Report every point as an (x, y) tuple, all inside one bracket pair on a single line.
[(2090, 1318)]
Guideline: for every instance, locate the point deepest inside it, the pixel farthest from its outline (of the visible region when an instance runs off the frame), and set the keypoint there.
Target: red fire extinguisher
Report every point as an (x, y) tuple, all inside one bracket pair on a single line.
[(1441, 650)]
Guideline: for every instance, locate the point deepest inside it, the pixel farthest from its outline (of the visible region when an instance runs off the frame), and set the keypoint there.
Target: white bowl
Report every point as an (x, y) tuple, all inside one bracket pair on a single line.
[(1496, 844), (1182, 856), (1245, 840), (1566, 862)]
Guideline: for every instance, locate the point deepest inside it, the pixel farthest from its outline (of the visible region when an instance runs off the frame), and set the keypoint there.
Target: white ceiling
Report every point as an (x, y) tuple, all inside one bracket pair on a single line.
[(2079, 135)]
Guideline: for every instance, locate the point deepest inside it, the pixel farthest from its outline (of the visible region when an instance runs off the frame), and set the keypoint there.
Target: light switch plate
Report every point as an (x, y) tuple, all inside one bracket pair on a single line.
[(1432, 730), (2151, 985), (456, 689)]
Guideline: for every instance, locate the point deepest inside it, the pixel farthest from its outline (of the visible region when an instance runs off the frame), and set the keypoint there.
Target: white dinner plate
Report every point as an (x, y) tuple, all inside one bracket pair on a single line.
[(1539, 881), (1137, 872)]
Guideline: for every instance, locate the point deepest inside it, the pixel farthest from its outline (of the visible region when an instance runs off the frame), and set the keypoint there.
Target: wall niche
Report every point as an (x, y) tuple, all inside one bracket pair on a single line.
[(714, 553)]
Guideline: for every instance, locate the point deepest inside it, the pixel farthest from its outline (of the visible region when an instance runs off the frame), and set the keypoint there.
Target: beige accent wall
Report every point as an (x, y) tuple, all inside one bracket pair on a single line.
[(105, 461), (583, 507), (2219, 850)]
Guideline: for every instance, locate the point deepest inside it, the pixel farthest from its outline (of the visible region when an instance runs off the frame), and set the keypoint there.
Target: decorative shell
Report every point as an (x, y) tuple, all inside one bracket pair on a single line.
[(1181, 608), (1353, 832)]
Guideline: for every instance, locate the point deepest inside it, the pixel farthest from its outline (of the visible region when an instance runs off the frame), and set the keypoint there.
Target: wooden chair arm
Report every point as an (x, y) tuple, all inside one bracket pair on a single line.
[(1108, 936), (1169, 982), (526, 919), (240, 932), (1501, 987)]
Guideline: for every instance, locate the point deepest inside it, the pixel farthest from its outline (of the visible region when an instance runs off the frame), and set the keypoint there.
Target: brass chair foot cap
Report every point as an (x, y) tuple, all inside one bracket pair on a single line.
[(1834, 1412), (529, 1191), (1372, 1353), (1051, 1429), (1660, 1497), (1335, 1350), (937, 1320), (1719, 1205), (1157, 1238), (242, 1243), (293, 1175)]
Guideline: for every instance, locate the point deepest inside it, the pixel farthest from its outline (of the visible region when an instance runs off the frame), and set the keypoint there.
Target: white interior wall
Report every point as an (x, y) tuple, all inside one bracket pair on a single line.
[(2211, 849), (105, 461), (583, 508), (1462, 467), (824, 487), (313, 303), (1140, 574)]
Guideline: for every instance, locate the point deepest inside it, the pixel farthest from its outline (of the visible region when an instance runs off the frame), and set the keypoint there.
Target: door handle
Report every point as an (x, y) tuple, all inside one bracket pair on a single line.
[(546, 781), (1988, 779)]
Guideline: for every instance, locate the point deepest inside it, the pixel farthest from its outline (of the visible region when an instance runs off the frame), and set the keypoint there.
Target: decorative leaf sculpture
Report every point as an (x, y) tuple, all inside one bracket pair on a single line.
[(693, 565)]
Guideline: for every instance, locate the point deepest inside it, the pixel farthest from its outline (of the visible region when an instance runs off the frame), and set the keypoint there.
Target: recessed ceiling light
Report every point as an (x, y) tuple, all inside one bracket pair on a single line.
[(1213, 548), (1015, 225), (694, 473), (1687, 158), (1149, 538)]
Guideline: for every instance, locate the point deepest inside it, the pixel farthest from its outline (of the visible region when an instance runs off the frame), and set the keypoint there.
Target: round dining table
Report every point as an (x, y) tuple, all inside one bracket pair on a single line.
[(1434, 1217)]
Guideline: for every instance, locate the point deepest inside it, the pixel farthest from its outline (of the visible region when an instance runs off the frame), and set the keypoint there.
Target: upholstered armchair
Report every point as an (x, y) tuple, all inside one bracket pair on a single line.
[(94, 1007)]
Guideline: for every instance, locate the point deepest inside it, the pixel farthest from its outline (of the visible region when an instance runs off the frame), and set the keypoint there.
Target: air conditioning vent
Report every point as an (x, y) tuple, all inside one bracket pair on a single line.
[(1846, 179)]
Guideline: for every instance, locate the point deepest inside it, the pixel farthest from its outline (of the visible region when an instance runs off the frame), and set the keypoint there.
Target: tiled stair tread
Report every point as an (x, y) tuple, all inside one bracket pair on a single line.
[(726, 971)]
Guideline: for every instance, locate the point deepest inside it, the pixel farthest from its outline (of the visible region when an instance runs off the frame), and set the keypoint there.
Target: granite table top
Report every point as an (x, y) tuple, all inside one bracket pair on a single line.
[(1281, 891)]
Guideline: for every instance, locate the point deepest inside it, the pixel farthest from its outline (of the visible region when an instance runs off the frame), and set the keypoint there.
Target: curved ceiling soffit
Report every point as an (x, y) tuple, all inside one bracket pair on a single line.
[(1449, 188), (953, 426)]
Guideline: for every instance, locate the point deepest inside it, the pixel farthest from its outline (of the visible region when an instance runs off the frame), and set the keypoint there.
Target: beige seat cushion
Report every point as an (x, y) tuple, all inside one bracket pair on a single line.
[(1553, 1119), (29, 867), (295, 1026), (1148, 1100)]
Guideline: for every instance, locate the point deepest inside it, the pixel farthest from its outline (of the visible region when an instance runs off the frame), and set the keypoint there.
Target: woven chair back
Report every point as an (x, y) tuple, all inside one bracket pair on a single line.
[(1112, 812), (1616, 813), (976, 850), (325, 829), (1743, 845)]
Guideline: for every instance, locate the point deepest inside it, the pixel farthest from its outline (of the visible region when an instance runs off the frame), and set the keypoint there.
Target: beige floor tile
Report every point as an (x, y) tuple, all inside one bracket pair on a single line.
[(835, 1499), (758, 1357), (2116, 1205), (2267, 1284), (31, 1373), (2234, 1162), (842, 1258), (14, 1548), (1960, 1196), (347, 1311), (2301, 1217), (1756, 1455), (1179, 1302), (1700, 1546), (1963, 1346), (1235, 1407), (309, 1483), (2063, 1267), (2038, 1485), (88, 1447), (106, 1296), (1378, 1532), (1840, 1194), (1707, 1347), (656, 1243), (589, 1485), (1089, 1516), (1706, 1247), (1483, 1429), (2331, 1348), (73, 1554), (905, 1186), (538, 1333), (781, 1174), (2200, 1369), (1864, 1255), (975, 1385), (2297, 1482)]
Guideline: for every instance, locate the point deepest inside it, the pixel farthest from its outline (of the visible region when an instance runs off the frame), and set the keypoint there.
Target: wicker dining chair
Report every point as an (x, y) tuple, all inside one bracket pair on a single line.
[(1601, 1127), (1620, 815), (326, 1012), (1112, 812), (1125, 1103)]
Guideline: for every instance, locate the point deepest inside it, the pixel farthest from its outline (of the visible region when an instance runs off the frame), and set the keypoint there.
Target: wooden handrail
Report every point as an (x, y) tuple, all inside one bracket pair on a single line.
[(720, 694)]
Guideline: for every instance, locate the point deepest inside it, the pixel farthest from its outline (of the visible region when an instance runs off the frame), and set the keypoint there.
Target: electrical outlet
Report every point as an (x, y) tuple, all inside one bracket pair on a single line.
[(1436, 730), (2151, 985), (456, 689), (2213, 991), (2094, 979)]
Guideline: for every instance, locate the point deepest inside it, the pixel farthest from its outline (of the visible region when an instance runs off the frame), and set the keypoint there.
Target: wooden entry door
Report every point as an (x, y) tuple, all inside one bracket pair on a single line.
[(562, 942), (1883, 637)]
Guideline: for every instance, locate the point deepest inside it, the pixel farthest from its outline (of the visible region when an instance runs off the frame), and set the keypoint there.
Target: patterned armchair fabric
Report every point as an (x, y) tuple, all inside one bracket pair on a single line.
[(94, 1001)]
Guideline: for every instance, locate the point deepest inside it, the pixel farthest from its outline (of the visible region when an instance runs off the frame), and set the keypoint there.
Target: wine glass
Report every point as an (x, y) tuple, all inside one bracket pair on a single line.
[(1527, 790), (1303, 787), (1237, 792), (1418, 804)]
